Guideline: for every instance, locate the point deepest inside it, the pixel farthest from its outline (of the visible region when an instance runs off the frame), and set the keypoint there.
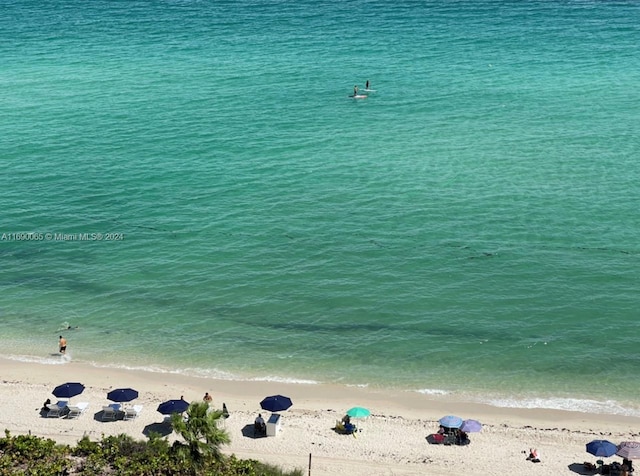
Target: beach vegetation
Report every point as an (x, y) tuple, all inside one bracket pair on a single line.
[(202, 434), (123, 455), (32, 455)]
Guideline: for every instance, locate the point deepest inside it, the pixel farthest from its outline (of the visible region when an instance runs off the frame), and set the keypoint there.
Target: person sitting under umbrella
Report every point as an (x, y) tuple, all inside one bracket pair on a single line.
[(260, 426), (462, 438), (347, 426), (45, 405)]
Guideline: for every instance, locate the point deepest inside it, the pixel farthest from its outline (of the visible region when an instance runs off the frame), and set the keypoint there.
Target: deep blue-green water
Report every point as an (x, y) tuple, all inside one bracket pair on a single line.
[(471, 227)]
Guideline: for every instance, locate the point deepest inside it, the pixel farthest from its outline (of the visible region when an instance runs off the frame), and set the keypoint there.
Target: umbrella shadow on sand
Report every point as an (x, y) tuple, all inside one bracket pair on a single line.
[(249, 431), (97, 416), (160, 428), (579, 468)]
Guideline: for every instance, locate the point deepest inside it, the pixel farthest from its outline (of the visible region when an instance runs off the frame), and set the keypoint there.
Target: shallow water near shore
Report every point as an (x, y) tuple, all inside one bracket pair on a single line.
[(206, 199)]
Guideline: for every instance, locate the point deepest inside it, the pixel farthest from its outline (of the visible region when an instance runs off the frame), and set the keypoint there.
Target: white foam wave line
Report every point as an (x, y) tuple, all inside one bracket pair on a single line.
[(284, 380), (432, 391), (191, 372), (38, 360), (206, 373), (566, 404)]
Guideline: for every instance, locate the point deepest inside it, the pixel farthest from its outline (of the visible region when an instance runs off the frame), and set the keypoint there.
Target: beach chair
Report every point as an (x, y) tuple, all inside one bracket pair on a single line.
[(131, 413), (76, 410), (57, 410), (110, 412)]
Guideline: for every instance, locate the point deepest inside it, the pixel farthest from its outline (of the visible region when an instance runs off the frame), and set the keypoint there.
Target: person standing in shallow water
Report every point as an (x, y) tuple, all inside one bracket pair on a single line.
[(63, 345)]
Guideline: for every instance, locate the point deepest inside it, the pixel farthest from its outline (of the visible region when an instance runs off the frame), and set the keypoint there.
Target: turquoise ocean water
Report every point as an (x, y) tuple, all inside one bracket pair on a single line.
[(470, 228)]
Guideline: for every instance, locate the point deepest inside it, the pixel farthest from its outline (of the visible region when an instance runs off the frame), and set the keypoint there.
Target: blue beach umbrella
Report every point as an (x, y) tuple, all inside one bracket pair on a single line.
[(173, 406), (601, 448), (68, 390), (451, 421), (122, 395), (276, 403), (358, 412)]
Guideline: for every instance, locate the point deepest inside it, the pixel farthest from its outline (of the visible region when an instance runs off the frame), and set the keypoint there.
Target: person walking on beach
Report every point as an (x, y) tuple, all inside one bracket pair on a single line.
[(207, 398), (63, 345)]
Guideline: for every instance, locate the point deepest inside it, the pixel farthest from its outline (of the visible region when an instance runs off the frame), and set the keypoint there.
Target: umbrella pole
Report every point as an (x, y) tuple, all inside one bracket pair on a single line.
[(309, 464)]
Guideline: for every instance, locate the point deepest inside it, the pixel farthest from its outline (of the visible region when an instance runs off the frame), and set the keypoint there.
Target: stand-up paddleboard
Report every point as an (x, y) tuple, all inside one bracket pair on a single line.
[(369, 90), (358, 96)]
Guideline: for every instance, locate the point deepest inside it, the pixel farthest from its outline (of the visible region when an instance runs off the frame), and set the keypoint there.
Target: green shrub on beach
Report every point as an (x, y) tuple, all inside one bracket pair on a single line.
[(199, 455), (32, 455), (117, 456), (124, 455)]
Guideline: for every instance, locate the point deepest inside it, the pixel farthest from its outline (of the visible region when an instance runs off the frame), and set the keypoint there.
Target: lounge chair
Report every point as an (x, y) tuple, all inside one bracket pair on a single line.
[(131, 413), (110, 412), (76, 410), (57, 410)]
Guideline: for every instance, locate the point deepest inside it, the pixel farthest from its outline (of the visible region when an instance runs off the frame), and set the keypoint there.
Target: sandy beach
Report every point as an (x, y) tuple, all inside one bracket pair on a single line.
[(392, 441)]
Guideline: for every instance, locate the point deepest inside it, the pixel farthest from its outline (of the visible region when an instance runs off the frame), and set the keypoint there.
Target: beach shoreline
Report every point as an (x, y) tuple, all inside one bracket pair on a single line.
[(392, 440)]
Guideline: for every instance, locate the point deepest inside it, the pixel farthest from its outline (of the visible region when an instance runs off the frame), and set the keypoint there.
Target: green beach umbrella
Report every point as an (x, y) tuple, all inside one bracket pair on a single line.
[(358, 412)]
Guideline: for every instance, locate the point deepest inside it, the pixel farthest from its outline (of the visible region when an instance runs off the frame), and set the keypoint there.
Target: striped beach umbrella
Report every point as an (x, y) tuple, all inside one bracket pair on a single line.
[(629, 450)]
